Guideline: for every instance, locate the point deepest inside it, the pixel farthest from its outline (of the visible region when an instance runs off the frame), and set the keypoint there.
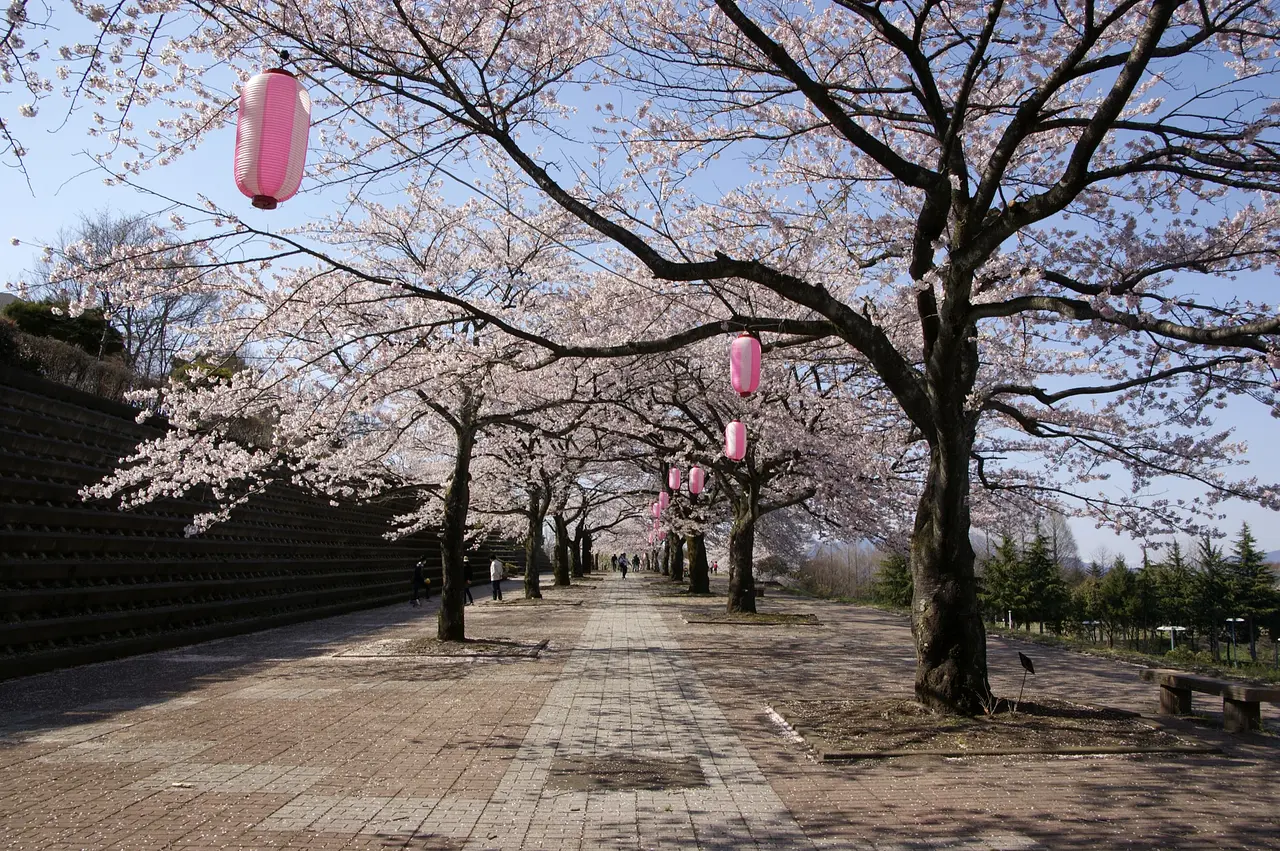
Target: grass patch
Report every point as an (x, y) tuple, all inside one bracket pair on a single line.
[(1182, 660)]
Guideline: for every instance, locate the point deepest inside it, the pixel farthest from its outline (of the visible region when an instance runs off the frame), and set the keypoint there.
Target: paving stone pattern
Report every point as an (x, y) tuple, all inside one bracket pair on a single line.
[(633, 729)]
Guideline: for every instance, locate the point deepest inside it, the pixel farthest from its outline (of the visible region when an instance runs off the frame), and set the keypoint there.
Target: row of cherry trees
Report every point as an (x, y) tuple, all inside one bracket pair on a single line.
[(992, 243)]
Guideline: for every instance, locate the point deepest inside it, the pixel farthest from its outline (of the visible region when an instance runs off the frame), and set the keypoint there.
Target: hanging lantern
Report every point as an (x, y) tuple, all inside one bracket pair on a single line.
[(697, 480), (664, 499), (673, 478), (735, 441), (655, 511), (744, 364), (271, 137)]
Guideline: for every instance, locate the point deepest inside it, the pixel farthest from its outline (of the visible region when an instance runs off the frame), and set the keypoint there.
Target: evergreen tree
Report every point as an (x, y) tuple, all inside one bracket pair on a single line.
[(1175, 590), (1252, 584), (1116, 599), (1045, 588), (1003, 591), (1145, 604), (892, 584), (1214, 593)]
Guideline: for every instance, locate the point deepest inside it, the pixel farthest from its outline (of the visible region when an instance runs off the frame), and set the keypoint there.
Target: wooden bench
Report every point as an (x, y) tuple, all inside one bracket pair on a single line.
[(1240, 701)]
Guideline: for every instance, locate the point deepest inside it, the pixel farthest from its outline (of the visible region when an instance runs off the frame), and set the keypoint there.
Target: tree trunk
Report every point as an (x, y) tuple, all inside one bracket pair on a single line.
[(742, 546), (533, 546), (666, 559), (677, 558), (588, 556), (560, 567), (576, 561), (450, 623), (946, 621), (699, 573)]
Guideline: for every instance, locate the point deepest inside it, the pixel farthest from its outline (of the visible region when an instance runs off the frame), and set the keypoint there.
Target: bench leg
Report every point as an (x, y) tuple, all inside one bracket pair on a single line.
[(1175, 701), (1240, 716)]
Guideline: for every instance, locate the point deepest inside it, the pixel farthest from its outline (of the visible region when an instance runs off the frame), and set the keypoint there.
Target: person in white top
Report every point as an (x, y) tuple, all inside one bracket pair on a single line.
[(495, 575)]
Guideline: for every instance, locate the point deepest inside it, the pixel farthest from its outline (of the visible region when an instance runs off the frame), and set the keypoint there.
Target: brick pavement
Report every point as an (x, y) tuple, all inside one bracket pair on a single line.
[(274, 740)]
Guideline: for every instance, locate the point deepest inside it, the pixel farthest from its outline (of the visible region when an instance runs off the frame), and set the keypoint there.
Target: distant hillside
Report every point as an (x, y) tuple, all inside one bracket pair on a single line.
[(1274, 556)]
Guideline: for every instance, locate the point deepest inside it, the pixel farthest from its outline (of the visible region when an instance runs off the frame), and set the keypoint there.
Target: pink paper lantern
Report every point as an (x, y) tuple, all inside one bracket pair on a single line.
[(697, 480), (664, 499), (744, 364), (271, 137), (673, 478), (655, 511), (735, 441)]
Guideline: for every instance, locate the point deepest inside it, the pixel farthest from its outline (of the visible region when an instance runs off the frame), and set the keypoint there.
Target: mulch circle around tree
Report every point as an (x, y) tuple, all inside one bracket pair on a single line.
[(753, 619), (472, 648), (845, 730), (536, 601)]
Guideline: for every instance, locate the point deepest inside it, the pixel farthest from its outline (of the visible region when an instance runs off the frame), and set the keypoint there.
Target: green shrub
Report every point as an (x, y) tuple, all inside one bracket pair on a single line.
[(90, 331), (1185, 656), (11, 353)]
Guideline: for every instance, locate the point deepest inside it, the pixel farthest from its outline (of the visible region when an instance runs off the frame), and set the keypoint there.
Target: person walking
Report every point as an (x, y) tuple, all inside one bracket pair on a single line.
[(495, 576), (622, 565), (466, 580), (635, 561), (419, 581), (613, 559)]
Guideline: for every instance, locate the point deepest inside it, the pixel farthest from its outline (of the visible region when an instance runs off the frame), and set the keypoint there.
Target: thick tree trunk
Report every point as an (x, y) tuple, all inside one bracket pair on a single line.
[(560, 567), (677, 557), (742, 545), (666, 559), (699, 573), (450, 623), (588, 556), (946, 621)]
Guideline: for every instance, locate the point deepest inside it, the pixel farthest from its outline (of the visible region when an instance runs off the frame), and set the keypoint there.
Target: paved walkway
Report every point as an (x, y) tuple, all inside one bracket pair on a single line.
[(634, 729)]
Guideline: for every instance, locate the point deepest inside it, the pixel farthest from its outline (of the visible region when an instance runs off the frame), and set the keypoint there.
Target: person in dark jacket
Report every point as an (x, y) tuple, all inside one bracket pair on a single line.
[(419, 582), (466, 580)]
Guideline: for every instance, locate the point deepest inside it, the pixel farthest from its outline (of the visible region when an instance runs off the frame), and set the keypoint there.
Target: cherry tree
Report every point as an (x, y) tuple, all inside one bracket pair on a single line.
[(353, 388), (816, 440), (1023, 219)]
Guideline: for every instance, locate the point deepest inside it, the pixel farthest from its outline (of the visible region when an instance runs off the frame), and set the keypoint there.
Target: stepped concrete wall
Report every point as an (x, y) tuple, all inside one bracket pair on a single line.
[(83, 581)]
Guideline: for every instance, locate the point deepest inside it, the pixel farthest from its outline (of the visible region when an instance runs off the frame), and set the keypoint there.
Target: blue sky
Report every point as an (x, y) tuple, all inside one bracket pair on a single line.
[(64, 183)]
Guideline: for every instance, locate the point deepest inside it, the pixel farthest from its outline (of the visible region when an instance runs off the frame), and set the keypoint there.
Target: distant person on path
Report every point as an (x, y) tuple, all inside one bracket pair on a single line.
[(613, 559), (715, 567), (495, 576), (635, 561), (419, 581), (622, 565), (466, 580)]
